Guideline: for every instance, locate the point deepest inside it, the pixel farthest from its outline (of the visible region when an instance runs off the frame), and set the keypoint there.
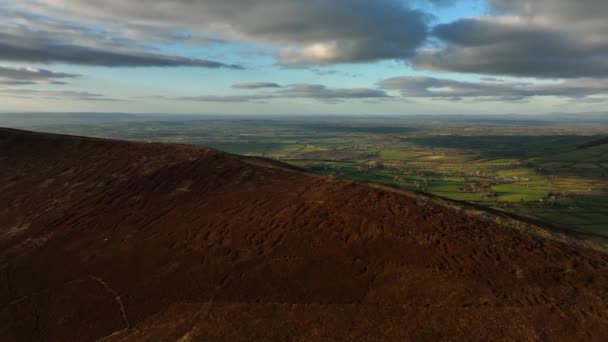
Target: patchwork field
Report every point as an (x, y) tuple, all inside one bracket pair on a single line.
[(549, 171)]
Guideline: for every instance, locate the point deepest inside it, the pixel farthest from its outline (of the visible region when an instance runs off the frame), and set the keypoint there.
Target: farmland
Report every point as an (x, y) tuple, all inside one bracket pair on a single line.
[(554, 172)]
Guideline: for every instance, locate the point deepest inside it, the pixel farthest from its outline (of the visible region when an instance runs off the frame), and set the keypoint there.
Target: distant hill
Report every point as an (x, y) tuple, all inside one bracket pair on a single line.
[(20, 120), (131, 241), (41, 119)]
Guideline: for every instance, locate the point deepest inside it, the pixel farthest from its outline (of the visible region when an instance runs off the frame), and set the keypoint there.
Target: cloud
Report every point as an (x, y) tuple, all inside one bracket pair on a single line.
[(318, 91), (53, 95), (302, 91), (29, 38), (564, 9), (443, 2), (491, 79), (226, 98), (307, 31), (28, 76), (256, 85), (589, 100), (540, 38), (436, 88)]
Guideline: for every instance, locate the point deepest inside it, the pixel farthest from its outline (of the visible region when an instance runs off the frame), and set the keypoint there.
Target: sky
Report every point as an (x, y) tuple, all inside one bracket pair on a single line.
[(359, 57)]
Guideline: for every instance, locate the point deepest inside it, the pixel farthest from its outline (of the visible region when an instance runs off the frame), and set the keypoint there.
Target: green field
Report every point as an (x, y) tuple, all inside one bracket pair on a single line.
[(552, 172)]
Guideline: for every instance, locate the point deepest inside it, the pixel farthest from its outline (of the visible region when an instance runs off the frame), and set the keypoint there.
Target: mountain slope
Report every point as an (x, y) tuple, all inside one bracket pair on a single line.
[(130, 241)]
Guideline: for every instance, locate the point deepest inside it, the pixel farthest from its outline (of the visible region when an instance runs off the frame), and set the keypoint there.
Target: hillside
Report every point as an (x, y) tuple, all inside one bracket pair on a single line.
[(122, 241)]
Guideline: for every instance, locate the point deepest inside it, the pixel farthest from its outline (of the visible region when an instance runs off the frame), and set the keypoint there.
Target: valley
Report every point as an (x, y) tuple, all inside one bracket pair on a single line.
[(552, 171)]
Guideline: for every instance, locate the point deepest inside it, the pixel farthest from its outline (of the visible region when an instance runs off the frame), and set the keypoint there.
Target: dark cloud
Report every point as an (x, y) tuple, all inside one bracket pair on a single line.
[(156, 34), (74, 54), (256, 85), (27, 38), (25, 75), (540, 38), (308, 32), (429, 87), (303, 91)]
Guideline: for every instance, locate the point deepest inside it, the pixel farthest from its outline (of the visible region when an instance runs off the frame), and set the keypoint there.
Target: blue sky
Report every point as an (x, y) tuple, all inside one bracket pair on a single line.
[(340, 57)]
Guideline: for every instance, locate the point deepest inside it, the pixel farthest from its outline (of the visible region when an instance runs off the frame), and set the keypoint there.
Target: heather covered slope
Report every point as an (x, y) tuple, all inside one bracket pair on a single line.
[(154, 242)]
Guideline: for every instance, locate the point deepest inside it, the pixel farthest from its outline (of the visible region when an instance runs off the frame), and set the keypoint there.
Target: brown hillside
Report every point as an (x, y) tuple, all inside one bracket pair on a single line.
[(152, 242)]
